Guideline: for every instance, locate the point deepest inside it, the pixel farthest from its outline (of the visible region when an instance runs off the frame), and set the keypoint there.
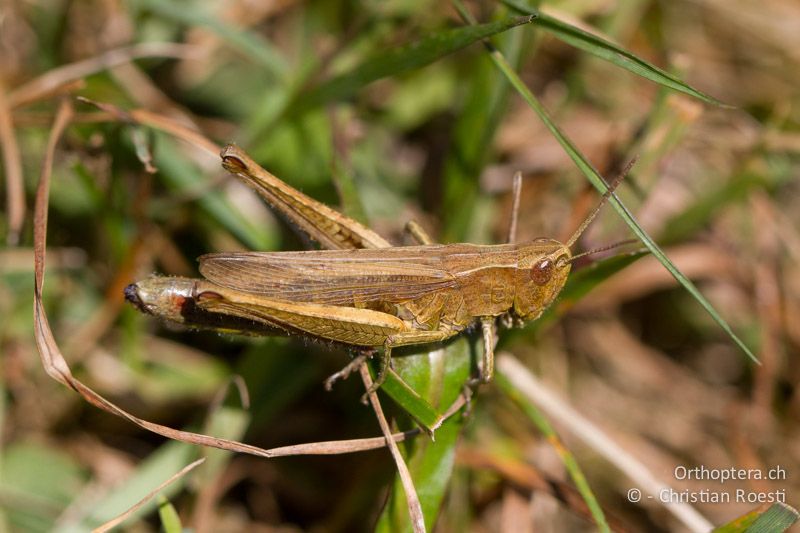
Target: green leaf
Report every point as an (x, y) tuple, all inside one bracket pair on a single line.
[(439, 377), (594, 177), (567, 458), (609, 51), (411, 402), (778, 517), (170, 520), (396, 61)]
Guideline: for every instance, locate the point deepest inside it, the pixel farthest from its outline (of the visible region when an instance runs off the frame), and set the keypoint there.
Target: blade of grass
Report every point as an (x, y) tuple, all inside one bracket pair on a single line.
[(431, 465), (536, 393), (596, 179), (149, 496), (611, 52), (170, 521), (228, 421), (430, 462), (60, 78), (403, 59), (415, 514), (779, 517), (12, 165), (132, 498), (342, 176), (566, 456), (38, 484), (776, 518)]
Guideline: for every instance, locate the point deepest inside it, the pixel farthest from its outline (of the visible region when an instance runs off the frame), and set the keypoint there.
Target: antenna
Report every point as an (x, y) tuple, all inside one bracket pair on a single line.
[(602, 249), (603, 200), (516, 189)]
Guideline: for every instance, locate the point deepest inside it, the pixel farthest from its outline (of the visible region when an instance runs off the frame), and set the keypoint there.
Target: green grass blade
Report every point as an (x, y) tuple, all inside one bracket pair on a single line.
[(43, 479), (611, 52), (431, 465), (778, 517), (396, 61), (170, 521), (567, 458), (594, 177), (439, 377)]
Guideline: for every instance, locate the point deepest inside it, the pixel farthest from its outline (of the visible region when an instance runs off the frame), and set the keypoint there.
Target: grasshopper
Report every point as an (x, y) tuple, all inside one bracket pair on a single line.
[(362, 293)]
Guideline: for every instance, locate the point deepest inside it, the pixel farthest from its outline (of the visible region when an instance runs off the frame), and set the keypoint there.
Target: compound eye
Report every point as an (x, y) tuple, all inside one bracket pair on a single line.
[(542, 271)]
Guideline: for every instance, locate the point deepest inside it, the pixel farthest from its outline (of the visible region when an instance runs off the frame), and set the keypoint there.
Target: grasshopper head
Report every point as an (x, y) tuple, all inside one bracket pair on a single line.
[(543, 267)]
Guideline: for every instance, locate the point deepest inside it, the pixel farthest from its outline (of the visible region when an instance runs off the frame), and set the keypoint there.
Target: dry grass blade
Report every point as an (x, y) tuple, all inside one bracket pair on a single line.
[(198, 142), (124, 516), (12, 165), (159, 122), (412, 500), (338, 447), (175, 128), (524, 381), (239, 384), (52, 81), (53, 363), (359, 445)]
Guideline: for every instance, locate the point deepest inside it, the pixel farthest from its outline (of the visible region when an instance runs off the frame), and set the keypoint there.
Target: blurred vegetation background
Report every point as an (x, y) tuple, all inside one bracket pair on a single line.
[(717, 187)]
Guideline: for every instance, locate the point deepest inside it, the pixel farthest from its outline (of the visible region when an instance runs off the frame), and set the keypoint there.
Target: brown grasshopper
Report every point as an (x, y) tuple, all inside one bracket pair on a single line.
[(363, 293)]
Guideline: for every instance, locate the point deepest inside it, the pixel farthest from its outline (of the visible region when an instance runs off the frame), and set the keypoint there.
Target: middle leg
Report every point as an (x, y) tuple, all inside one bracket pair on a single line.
[(406, 338)]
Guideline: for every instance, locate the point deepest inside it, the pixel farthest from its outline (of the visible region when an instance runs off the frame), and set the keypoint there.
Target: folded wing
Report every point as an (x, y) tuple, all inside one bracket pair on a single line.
[(336, 277)]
